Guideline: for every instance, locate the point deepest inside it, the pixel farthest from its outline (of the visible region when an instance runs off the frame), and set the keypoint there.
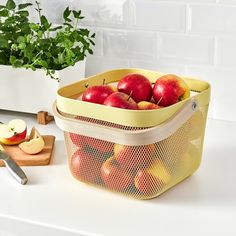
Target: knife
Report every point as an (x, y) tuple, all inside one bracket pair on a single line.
[(13, 168)]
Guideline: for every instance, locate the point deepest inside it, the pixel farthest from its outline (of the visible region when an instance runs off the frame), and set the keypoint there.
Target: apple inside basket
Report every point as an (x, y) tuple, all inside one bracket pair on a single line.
[(135, 160)]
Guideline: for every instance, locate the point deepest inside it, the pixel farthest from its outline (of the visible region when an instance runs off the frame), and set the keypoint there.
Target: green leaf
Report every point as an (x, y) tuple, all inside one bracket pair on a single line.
[(93, 35), (22, 46), (17, 63), (90, 51), (23, 13), (4, 13), (21, 39), (44, 22), (3, 58), (10, 5), (43, 63), (67, 24), (24, 5), (48, 54), (84, 32), (2, 7), (25, 29), (3, 42), (76, 14), (14, 47), (92, 42), (34, 26), (12, 59), (60, 58), (56, 28), (40, 34), (28, 52), (32, 68), (66, 13)]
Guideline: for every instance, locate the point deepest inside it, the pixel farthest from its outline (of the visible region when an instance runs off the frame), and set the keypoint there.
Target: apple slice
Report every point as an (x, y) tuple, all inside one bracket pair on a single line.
[(35, 143), (13, 133)]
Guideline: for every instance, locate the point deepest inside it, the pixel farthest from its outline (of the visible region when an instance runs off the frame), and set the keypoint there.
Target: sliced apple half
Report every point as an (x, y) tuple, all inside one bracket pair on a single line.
[(35, 144), (13, 133)]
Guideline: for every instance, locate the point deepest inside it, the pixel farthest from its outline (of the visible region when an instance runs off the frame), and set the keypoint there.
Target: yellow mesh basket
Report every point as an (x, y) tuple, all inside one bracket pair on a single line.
[(139, 153)]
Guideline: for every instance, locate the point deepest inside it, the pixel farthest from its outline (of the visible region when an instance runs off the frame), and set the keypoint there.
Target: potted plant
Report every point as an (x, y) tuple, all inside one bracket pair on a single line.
[(37, 57)]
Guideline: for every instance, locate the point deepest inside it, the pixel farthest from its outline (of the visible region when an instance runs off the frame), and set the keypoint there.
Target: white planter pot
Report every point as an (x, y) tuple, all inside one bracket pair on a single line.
[(32, 91)]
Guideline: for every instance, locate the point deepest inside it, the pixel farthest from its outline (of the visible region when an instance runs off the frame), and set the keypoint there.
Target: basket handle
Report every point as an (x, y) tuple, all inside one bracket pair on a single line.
[(128, 137)]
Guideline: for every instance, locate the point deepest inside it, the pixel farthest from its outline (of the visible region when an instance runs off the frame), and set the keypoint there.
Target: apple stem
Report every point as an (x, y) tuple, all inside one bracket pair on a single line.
[(129, 96), (103, 82), (159, 101), (86, 85)]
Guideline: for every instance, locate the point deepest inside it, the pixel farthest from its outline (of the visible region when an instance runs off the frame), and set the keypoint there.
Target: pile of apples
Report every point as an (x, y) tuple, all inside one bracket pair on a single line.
[(134, 169), (135, 92), (15, 132), (121, 168)]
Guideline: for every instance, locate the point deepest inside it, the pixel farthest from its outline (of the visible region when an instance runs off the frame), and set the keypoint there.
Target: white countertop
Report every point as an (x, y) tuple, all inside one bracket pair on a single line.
[(54, 203)]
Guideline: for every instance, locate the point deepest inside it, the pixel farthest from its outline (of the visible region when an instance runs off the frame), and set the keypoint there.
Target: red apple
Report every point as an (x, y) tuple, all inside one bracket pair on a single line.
[(137, 85), (114, 176), (13, 133), (151, 181), (97, 94), (81, 141), (100, 145), (143, 105), (85, 167), (121, 100), (134, 157), (170, 89)]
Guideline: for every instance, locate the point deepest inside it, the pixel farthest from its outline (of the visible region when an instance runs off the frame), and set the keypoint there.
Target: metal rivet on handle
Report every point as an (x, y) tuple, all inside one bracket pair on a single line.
[(194, 105)]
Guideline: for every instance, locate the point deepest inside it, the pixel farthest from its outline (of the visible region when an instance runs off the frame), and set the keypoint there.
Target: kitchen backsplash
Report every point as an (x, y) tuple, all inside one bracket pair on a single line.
[(186, 37)]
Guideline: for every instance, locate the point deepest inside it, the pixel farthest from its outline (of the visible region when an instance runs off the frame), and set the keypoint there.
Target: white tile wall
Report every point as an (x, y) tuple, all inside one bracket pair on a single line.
[(226, 51), (182, 48), (213, 18), (163, 16), (227, 1), (130, 44), (223, 90), (194, 37), (101, 12)]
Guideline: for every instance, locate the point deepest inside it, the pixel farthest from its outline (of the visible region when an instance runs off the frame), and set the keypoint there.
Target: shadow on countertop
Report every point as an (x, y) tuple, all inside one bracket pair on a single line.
[(212, 184)]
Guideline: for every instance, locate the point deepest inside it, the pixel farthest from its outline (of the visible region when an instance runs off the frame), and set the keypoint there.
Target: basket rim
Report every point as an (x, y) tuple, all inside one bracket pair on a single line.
[(66, 102)]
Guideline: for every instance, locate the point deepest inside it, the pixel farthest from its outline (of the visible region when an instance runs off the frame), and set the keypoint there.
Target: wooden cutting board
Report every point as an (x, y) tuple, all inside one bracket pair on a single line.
[(23, 159)]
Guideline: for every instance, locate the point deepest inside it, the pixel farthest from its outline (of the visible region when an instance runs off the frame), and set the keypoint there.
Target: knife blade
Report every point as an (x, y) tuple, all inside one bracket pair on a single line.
[(12, 166)]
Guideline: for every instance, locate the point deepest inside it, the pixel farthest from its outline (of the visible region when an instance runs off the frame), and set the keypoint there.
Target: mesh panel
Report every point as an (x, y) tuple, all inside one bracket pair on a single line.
[(144, 171)]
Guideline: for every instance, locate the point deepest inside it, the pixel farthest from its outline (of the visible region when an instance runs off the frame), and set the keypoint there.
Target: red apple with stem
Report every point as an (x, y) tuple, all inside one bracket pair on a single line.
[(98, 93), (170, 89), (138, 85), (121, 100)]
